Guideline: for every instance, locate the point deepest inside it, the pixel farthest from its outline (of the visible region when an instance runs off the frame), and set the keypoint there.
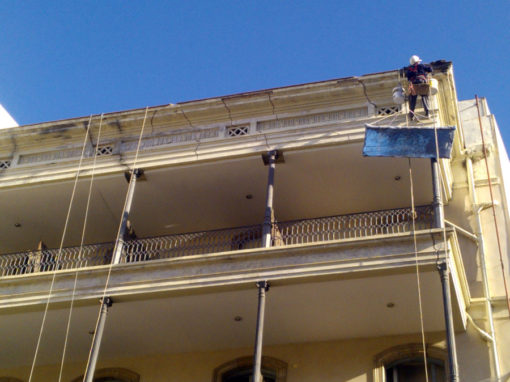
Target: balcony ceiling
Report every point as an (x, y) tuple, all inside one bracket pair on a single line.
[(311, 183), (204, 320)]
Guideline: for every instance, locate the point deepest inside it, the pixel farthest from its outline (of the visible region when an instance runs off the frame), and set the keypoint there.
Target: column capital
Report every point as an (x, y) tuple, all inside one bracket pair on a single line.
[(138, 172), (278, 156), (263, 284)]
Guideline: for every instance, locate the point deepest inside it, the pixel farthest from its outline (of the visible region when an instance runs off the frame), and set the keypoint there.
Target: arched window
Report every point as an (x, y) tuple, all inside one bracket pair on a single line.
[(406, 363), (413, 369), (114, 374), (241, 369)]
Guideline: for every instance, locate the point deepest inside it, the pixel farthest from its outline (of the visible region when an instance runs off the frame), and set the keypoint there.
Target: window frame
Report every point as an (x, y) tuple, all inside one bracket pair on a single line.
[(125, 375), (279, 367), (407, 351)]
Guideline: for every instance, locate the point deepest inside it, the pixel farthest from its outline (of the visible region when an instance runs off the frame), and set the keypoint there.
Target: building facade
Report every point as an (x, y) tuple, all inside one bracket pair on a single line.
[(178, 212)]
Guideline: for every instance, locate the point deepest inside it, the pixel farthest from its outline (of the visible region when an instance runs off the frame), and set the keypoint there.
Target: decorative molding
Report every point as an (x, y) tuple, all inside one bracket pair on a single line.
[(5, 164), (183, 137), (388, 110), (104, 150), (51, 156), (237, 131), (314, 119), (171, 139)]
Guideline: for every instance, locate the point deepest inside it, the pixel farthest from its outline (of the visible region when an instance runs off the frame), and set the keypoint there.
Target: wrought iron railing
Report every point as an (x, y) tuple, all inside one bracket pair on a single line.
[(223, 240), (352, 226)]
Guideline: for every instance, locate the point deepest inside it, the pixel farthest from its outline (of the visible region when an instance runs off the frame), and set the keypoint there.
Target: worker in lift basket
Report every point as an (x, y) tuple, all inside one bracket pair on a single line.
[(417, 75)]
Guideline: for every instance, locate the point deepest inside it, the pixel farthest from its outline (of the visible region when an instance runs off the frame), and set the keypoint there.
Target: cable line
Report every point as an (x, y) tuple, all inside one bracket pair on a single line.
[(80, 250), (59, 253), (106, 301)]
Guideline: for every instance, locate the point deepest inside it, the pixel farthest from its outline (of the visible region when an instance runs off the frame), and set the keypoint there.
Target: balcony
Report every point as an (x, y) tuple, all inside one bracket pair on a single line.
[(332, 278), (295, 232)]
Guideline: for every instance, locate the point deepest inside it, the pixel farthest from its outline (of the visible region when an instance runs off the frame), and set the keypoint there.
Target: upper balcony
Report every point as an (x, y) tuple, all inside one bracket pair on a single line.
[(207, 196), (202, 163), (203, 175)]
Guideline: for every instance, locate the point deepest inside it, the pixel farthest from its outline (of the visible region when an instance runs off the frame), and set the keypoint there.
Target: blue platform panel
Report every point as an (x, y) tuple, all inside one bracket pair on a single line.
[(408, 142)]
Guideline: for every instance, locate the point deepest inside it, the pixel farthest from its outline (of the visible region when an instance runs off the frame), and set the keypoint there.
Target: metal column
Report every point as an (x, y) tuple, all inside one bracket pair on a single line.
[(270, 160), (448, 318), (119, 244), (263, 287), (437, 199), (444, 274), (96, 341), (107, 302)]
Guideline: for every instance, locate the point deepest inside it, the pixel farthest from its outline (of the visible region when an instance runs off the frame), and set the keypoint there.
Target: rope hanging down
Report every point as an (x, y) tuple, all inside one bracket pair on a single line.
[(80, 250), (418, 142), (417, 267), (117, 240), (418, 280), (52, 284)]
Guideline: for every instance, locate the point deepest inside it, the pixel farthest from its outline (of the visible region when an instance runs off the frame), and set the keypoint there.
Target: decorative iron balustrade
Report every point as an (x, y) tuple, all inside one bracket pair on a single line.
[(50, 259), (223, 240), (340, 227)]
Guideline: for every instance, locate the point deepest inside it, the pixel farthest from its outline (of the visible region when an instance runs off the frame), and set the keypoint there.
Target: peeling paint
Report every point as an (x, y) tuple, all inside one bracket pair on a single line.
[(56, 129), (117, 124)]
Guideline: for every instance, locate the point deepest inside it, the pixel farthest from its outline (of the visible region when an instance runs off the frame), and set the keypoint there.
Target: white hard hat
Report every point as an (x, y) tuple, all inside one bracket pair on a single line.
[(414, 59)]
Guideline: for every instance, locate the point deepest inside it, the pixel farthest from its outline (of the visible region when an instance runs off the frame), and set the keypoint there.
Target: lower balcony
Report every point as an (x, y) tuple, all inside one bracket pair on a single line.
[(296, 232), (332, 279)]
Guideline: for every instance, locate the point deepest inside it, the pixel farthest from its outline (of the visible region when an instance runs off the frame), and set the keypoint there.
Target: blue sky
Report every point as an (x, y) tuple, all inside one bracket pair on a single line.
[(63, 59)]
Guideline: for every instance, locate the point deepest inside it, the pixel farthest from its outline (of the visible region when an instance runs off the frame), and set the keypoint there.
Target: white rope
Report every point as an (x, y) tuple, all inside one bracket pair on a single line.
[(118, 234), (80, 251), (418, 280), (392, 116), (59, 254), (417, 266)]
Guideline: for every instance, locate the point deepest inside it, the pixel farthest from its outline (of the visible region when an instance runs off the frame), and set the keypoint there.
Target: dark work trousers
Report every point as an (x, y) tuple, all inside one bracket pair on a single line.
[(424, 101)]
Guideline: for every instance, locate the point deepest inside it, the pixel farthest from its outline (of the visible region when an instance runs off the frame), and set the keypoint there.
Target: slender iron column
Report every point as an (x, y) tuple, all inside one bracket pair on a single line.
[(263, 287), (444, 273), (119, 244), (437, 199), (266, 228), (96, 342), (107, 301), (450, 336)]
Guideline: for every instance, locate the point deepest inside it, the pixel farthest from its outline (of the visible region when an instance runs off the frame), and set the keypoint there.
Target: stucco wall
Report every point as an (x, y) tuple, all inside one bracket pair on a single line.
[(351, 360)]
